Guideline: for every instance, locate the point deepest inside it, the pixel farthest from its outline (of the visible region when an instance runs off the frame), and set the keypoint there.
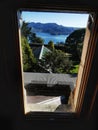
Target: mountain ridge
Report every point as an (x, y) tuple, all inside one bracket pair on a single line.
[(52, 28)]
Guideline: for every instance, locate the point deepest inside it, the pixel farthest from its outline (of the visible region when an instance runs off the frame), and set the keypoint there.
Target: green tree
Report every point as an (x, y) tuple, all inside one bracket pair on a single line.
[(28, 58), (56, 62), (74, 44), (76, 37), (25, 30), (34, 39), (51, 45)]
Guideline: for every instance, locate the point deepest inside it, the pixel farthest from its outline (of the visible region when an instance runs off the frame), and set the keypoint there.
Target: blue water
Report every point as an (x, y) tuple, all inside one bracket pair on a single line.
[(55, 38)]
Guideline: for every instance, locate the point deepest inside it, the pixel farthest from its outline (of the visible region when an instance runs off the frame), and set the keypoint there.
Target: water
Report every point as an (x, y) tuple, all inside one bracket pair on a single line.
[(55, 38)]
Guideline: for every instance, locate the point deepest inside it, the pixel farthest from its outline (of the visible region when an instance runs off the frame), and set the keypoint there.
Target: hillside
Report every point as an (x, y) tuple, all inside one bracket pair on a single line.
[(76, 37), (52, 28)]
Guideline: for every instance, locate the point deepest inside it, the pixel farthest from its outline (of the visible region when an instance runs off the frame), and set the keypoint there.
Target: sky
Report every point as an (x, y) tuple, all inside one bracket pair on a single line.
[(65, 19)]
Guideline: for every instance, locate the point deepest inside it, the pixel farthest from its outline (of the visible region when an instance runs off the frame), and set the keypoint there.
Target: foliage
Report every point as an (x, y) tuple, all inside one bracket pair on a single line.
[(27, 56), (79, 49), (76, 37), (74, 44), (56, 62), (34, 39), (72, 49), (75, 69), (51, 45), (25, 30)]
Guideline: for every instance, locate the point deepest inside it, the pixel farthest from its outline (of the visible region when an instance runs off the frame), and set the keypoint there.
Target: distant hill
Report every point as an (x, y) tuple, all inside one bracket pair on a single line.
[(76, 37), (52, 28)]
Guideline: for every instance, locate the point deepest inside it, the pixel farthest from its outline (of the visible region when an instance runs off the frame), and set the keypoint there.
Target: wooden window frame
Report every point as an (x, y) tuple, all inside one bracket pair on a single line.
[(83, 105)]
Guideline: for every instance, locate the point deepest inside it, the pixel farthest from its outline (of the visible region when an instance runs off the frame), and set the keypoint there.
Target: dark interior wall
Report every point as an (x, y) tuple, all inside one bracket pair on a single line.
[(11, 109), (7, 63)]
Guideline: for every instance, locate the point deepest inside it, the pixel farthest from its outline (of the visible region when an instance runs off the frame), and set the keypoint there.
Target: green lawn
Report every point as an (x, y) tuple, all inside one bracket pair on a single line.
[(75, 69)]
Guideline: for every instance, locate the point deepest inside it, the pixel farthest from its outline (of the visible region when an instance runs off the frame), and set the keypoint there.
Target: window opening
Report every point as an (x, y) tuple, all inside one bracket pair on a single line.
[(51, 46)]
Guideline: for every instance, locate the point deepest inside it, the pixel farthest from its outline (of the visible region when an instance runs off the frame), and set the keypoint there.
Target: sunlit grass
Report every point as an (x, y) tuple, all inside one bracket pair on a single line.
[(75, 69)]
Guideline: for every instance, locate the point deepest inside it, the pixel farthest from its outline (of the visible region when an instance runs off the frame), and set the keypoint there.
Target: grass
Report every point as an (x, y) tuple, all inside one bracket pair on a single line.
[(75, 69)]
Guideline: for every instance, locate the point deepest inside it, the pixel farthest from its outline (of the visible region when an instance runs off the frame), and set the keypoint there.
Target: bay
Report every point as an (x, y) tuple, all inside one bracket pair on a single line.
[(55, 38)]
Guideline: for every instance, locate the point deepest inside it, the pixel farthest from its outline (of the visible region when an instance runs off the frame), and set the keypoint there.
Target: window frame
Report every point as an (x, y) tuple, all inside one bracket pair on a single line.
[(81, 108), (84, 106)]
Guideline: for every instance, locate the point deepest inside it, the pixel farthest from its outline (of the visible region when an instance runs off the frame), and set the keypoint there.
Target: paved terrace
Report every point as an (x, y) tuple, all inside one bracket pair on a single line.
[(47, 103)]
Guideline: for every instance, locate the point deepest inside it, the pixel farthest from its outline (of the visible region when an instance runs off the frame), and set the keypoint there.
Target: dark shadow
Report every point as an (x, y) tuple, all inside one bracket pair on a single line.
[(64, 108), (74, 75)]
